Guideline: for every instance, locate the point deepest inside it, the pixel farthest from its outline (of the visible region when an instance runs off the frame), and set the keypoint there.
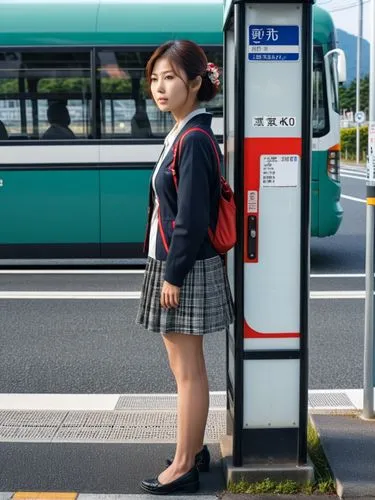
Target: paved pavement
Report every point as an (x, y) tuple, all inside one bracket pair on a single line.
[(349, 444), (225, 496)]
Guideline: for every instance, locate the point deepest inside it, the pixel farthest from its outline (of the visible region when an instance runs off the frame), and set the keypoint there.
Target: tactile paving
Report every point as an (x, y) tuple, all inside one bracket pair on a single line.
[(133, 427), (137, 418), (31, 418), (331, 400), (152, 402)]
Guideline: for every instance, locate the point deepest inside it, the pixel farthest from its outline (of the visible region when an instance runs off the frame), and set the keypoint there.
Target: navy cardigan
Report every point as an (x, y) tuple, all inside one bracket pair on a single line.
[(185, 215)]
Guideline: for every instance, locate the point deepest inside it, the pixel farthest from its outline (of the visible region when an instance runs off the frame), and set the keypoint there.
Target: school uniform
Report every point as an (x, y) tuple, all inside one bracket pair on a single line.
[(177, 242)]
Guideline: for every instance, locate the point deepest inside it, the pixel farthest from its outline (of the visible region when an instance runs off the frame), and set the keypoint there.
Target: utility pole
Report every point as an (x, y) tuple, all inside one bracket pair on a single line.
[(358, 88), (368, 381)]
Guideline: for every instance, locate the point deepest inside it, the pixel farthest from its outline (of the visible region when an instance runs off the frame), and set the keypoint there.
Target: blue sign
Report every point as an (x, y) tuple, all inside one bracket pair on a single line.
[(274, 43)]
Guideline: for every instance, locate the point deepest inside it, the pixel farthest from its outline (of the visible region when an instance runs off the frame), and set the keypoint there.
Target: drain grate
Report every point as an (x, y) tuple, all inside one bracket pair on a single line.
[(331, 400), (158, 402)]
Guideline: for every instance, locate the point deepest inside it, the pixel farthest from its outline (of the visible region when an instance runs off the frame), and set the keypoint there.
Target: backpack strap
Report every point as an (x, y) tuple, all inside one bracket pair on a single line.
[(177, 152)]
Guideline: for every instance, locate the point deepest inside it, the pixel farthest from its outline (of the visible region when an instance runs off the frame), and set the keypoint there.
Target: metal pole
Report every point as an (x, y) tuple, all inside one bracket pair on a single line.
[(368, 382), (358, 88)]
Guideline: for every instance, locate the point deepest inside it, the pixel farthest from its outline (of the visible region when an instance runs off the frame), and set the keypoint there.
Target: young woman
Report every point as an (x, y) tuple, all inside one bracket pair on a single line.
[(185, 292)]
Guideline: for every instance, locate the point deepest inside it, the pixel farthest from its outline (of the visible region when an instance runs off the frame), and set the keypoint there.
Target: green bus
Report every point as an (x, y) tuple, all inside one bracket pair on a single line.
[(79, 134)]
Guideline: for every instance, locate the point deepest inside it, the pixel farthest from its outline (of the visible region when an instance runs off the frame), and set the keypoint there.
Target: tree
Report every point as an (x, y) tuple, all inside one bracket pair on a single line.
[(348, 96)]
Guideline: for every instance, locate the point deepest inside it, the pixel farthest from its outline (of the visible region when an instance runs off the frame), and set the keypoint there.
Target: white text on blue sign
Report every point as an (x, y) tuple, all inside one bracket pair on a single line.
[(274, 43)]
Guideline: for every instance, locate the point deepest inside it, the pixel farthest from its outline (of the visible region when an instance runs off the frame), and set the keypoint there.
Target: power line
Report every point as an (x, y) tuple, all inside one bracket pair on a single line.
[(337, 9), (340, 6)]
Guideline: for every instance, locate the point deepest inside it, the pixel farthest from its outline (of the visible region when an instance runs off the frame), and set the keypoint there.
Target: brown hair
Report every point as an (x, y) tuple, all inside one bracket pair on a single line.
[(189, 57)]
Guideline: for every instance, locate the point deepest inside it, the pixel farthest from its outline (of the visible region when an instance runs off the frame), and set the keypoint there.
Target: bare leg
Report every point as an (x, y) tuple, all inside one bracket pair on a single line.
[(186, 358)]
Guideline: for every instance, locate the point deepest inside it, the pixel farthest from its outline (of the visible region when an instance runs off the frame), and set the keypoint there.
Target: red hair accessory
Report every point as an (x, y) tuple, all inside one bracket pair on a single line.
[(213, 73)]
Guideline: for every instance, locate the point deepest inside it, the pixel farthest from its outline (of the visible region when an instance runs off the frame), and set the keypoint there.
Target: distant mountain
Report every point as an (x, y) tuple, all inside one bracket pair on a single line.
[(348, 43)]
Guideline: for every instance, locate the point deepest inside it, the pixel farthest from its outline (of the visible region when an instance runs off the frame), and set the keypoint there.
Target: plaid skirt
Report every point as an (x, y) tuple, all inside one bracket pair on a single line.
[(206, 303)]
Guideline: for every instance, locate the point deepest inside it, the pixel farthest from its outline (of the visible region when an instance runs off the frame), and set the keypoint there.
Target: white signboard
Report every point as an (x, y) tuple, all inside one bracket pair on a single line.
[(371, 154), (279, 170)]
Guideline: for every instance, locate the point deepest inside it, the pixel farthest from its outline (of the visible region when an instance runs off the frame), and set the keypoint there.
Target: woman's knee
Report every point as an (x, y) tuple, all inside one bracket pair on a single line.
[(189, 370), (186, 358)]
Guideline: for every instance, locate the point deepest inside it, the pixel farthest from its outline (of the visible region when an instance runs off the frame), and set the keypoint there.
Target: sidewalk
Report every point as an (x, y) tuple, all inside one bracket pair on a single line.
[(225, 496), (48, 465), (349, 445)]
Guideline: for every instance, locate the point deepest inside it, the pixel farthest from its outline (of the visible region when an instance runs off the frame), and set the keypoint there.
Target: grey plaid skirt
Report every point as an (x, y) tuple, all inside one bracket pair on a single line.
[(205, 306)]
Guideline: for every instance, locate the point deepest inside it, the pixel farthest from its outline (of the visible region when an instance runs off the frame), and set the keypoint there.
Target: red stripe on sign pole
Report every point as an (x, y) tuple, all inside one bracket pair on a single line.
[(254, 148), (250, 333)]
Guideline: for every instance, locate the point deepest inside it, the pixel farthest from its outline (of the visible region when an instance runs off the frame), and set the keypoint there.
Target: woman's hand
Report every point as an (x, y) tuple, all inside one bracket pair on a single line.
[(170, 296)]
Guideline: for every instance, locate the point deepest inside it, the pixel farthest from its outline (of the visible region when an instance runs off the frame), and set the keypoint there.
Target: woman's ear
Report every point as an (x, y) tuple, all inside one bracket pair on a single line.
[(196, 84)]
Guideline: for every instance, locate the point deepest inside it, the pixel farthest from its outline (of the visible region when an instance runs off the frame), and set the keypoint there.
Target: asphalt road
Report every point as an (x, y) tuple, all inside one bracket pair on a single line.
[(93, 346)]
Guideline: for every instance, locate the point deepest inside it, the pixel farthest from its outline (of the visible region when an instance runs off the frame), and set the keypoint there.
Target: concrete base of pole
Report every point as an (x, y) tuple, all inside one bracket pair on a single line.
[(260, 471)]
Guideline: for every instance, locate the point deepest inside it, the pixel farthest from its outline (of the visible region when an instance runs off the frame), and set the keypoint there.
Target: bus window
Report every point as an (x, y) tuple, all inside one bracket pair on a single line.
[(45, 95), (334, 81), (126, 109), (320, 120)]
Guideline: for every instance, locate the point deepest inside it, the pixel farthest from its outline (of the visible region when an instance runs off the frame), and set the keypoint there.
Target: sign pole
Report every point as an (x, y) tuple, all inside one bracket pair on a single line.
[(368, 382), (358, 87)]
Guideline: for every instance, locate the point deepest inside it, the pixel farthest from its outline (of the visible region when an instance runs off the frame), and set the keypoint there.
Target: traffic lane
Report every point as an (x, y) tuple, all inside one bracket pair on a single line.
[(89, 346), (336, 340), (340, 284), (67, 282), (126, 283), (345, 251), (355, 185)]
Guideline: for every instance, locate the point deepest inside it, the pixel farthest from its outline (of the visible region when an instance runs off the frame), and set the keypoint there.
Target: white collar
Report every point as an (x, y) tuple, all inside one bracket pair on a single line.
[(176, 129), (191, 115)]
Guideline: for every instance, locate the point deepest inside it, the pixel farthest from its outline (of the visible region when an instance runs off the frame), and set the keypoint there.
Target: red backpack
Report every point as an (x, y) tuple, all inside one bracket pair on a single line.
[(224, 236)]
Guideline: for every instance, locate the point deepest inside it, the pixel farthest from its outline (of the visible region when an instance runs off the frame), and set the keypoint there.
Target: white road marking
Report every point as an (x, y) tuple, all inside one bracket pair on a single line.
[(359, 173), (346, 166), (141, 271), (76, 402), (353, 177), (337, 275), (52, 295), (107, 402), (339, 294), (352, 198), (72, 271)]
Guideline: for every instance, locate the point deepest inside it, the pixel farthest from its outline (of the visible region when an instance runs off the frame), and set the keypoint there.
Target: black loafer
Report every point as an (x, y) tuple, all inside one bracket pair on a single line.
[(188, 483), (202, 460)]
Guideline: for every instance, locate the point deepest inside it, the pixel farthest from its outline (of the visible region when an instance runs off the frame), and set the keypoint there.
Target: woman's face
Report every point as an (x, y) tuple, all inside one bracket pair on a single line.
[(168, 89)]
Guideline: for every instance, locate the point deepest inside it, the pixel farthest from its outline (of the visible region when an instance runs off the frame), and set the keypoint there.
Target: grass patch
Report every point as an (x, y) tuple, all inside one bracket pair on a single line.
[(323, 483)]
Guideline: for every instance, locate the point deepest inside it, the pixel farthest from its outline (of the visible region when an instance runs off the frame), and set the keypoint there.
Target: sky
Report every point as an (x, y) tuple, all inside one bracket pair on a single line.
[(345, 15)]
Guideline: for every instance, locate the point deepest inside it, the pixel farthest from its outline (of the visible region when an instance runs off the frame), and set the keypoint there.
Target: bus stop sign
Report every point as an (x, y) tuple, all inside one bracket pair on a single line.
[(268, 47)]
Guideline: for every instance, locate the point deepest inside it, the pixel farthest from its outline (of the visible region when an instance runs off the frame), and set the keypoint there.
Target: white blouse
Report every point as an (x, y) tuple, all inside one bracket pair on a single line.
[(168, 143)]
